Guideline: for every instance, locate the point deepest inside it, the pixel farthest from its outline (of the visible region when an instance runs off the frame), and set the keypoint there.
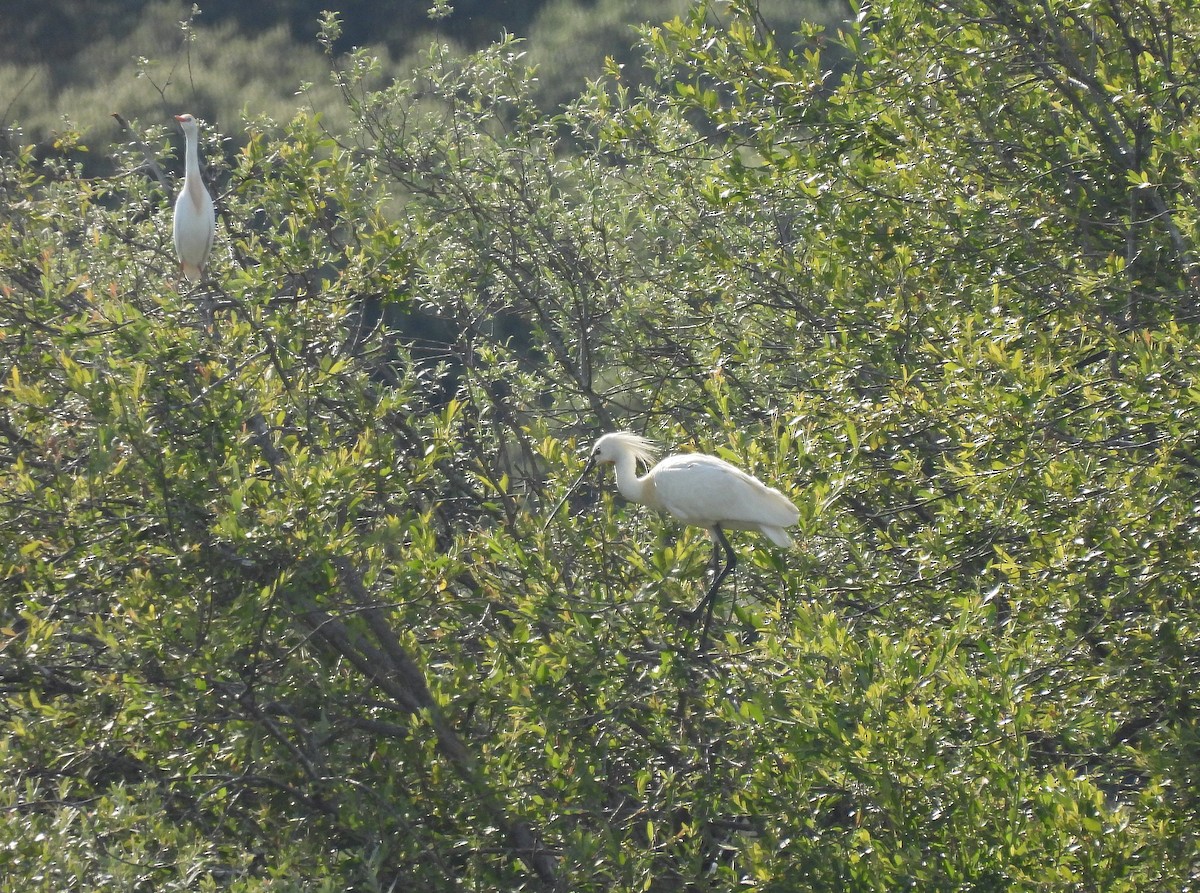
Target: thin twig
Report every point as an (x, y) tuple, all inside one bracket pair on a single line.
[(151, 162)]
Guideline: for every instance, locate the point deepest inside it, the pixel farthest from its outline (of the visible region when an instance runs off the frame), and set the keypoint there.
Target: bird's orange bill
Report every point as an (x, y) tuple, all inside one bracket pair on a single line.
[(591, 462)]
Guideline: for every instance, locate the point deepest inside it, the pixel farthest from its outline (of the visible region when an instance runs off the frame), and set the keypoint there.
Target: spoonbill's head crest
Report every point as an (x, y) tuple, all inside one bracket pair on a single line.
[(611, 447)]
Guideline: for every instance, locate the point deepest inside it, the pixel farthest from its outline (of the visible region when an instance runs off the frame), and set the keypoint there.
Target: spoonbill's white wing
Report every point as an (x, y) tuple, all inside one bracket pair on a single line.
[(705, 491)]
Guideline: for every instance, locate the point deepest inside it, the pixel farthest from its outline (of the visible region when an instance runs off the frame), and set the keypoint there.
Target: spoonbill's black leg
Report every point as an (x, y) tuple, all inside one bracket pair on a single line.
[(709, 602)]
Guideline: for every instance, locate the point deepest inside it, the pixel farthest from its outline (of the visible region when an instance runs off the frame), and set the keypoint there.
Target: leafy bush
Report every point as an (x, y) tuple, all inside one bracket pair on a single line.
[(282, 606)]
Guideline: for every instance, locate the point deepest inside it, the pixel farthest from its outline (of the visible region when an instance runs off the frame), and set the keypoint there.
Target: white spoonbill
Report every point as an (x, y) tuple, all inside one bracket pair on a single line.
[(195, 221), (699, 490)]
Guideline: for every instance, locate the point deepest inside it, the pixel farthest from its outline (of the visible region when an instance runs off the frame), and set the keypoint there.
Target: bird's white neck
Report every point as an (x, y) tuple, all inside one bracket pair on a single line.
[(191, 165), (631, 486)]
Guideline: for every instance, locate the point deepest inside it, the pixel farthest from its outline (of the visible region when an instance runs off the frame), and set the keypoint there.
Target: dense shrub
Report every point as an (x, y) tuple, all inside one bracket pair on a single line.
[(282, 605)]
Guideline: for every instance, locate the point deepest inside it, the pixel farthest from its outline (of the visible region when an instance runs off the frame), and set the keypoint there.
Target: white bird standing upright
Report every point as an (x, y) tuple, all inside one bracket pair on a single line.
[(699, 490), (195, 220)]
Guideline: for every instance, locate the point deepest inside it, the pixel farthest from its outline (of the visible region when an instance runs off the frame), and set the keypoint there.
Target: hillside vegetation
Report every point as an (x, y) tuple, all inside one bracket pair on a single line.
[(70, 65), (282, 606)]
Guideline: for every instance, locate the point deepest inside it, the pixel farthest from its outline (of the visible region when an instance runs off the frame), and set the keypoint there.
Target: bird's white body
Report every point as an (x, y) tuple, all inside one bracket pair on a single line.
[(195, 221), (699, 490)]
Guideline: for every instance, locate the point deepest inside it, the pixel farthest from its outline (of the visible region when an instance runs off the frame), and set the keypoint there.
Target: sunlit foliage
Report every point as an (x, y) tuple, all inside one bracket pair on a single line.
[(280, 607)]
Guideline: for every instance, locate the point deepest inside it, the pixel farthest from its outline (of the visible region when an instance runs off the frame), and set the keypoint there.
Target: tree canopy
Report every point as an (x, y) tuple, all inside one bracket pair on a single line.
[(281, 606)]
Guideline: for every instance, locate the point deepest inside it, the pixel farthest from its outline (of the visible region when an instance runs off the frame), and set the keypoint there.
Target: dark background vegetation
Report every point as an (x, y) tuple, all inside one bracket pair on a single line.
[(61, 29), (72, 64)]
